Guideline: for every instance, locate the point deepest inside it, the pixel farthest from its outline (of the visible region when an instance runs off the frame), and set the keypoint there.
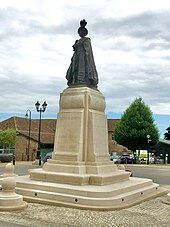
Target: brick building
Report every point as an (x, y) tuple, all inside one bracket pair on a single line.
[(21, 125), (24, 152), (113, 145)]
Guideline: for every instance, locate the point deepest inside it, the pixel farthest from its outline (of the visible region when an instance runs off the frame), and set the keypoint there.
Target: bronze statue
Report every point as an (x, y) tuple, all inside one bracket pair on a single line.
[(82, 70)]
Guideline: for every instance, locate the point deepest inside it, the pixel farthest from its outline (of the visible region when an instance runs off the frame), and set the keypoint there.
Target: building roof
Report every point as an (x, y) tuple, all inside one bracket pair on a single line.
[(21, 125)]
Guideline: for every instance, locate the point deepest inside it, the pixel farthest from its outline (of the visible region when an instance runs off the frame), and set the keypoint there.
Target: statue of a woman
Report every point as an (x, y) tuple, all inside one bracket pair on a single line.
[(82, 70)]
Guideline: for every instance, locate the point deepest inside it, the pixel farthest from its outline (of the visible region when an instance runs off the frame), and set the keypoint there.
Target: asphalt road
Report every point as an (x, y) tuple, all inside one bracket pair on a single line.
[(159, 174), (21, 168)]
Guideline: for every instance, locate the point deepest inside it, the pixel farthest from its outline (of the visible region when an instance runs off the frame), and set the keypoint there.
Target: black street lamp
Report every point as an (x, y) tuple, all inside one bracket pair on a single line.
[(29, 132), (41, 110)]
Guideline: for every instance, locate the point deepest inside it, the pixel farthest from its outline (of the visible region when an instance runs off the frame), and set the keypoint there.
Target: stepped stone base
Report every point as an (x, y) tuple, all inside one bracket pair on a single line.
[(59, 172), (83, 179), (107, 197)]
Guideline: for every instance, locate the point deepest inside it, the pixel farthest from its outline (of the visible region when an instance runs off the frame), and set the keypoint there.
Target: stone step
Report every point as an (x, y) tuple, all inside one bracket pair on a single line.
[(79, 179), (86, 190), (100, 203)]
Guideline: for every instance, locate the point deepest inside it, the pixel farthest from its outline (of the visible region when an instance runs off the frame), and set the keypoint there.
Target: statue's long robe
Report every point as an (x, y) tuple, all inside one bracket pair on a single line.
[(82, 69)]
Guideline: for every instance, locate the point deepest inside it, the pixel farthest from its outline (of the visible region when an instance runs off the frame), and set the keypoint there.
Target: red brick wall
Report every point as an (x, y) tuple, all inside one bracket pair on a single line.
[(21, 149)]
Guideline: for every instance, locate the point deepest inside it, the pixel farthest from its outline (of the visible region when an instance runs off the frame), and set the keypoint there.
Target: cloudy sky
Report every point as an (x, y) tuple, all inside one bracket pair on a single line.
[(131, 46)]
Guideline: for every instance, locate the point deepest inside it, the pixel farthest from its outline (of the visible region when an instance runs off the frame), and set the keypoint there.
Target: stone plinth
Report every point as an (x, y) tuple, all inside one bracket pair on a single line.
[(80, 153)]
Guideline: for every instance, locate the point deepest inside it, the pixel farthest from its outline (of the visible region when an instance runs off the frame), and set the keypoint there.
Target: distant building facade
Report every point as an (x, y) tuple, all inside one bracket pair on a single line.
[(167, 134), (162, 150)]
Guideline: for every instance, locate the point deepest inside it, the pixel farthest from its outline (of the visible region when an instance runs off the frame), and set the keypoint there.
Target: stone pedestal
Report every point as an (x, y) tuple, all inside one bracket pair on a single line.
[(81, 134), (80, 153), (9, 200)]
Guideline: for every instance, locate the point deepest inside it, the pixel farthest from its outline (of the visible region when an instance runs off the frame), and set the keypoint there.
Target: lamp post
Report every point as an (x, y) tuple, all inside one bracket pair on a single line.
[(29, 132), (166, 159), (40, 110), (148, 139)]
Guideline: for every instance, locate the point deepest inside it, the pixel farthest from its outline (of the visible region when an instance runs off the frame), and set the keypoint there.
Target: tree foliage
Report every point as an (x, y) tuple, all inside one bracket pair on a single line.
[(7, 138), (136, 123)]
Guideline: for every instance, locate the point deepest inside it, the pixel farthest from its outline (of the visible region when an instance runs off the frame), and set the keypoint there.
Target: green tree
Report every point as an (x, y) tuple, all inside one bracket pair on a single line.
[(8, 138), (136, 123)]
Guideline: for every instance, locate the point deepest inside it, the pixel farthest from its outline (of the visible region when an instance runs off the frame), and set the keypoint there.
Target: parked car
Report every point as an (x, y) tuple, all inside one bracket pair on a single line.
[(145, 160), (114, 158), (47, 156), (127, 159), (6, 157)]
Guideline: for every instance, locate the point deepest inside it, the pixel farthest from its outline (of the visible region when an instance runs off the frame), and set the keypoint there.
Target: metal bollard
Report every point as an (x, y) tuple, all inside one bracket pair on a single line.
[(40, 161), (14, 160)]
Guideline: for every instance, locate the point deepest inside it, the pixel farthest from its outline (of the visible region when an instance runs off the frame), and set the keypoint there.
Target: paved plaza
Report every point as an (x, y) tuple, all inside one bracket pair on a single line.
[(149, 213)]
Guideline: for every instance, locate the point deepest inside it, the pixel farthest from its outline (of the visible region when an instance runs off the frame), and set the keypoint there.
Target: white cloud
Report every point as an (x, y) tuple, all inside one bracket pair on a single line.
[(123, 8), (130, 40)]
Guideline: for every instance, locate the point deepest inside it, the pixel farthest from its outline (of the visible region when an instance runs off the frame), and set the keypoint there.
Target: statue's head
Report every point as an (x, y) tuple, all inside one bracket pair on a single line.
[(82, 31)]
